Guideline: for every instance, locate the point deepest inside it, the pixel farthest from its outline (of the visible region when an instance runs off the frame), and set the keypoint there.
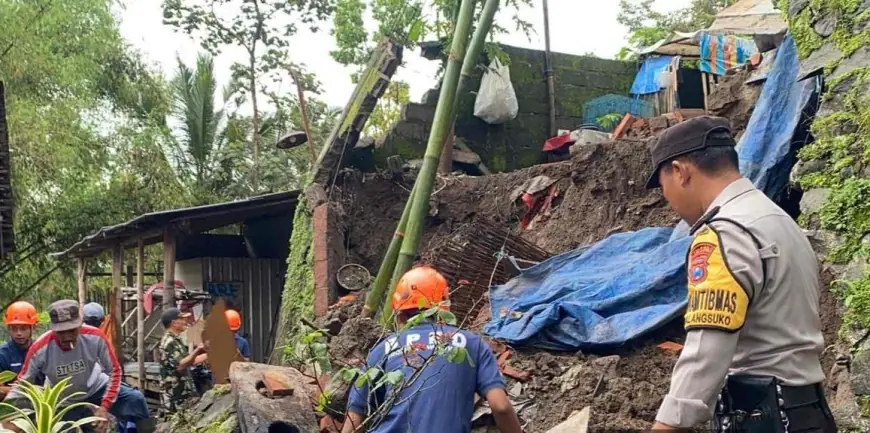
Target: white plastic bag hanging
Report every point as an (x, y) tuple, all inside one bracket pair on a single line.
[(496, 100)]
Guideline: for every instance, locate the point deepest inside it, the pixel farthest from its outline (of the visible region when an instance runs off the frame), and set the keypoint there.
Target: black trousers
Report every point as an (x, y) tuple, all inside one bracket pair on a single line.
[(752, 404)]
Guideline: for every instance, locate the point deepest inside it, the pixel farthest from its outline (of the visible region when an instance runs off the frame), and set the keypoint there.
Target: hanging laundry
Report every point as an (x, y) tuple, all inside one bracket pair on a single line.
[(720, 53)]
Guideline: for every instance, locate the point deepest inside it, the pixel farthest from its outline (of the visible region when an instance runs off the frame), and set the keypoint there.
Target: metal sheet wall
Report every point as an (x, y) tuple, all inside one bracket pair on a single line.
[(262, 281)]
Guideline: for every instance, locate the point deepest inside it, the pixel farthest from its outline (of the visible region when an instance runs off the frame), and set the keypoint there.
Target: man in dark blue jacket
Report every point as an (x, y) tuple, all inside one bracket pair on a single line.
[(20, 320)]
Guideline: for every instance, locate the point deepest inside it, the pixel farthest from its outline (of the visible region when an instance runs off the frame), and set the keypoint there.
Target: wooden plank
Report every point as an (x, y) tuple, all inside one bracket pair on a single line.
[(117, 264), (382, 64), (222, 347), (82, 278), (140, 310), (168, 268)]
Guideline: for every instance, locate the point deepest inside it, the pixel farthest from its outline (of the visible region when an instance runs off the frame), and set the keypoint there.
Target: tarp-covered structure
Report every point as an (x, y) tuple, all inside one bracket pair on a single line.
[(757, 18), (631, 283)]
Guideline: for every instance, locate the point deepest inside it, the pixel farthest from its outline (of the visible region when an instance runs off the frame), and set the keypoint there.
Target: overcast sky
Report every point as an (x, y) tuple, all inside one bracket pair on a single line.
[(576, 27)]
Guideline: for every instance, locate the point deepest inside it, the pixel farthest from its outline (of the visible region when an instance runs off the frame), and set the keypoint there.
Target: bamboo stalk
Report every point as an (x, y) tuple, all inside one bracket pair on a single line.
[(376, 295), (468, 65), (444, 113), (475, 47)]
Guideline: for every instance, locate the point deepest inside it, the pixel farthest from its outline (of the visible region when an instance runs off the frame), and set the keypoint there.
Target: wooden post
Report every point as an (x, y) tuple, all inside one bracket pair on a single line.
[(117, 264), (130, 281), (706, 89), (168, 268), (140, 313), (83, 287)]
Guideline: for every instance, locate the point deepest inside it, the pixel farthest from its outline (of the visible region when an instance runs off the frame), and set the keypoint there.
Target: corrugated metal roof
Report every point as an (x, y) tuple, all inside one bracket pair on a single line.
[(107, 236), (749, 17)]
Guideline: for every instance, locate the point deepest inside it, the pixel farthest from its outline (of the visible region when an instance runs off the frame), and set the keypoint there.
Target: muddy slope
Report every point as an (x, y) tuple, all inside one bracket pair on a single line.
[(601, 191)]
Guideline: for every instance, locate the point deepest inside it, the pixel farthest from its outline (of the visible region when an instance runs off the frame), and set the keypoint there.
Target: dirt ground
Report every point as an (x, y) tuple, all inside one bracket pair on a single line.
[(601, 191)]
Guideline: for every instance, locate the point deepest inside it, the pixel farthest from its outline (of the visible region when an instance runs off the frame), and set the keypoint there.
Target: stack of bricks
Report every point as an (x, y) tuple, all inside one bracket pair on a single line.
[(633, 128)]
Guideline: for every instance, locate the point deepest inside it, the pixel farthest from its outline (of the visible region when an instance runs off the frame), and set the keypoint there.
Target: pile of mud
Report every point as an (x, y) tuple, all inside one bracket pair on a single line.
[(601, 191), (735, 100)]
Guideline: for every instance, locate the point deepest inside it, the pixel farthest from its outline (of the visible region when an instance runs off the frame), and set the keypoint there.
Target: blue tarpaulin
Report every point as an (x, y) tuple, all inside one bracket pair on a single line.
[(631, 283), (647, 79)]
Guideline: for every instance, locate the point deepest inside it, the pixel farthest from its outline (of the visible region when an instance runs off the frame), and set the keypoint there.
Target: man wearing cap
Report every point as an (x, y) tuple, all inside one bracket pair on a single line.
[(754, 337), (175, 366), (81, 353), (93, 314)]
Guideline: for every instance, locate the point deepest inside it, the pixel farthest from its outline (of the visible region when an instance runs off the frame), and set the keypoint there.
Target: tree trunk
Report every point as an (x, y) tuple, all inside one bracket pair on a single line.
[(445, 164), (444, 113), (255, 170)]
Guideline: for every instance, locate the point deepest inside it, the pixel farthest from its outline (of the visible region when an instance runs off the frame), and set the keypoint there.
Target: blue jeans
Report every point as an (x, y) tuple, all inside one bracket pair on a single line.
[(129, 406)]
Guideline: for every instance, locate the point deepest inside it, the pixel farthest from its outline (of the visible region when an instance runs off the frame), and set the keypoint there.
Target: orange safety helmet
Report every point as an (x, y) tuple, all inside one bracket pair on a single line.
[(233, 319), (21, 313), (420, 288)]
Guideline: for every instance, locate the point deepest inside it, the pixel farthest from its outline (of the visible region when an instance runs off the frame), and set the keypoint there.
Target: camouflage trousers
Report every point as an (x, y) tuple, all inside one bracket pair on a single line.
[(175, 399)]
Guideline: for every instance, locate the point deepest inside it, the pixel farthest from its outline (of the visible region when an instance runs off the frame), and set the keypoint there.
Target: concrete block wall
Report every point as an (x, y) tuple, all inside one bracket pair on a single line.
[(517, 143)]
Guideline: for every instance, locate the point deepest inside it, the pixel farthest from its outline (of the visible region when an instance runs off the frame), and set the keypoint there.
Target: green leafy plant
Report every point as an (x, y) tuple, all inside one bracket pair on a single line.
[(48, 408), (609, 120)]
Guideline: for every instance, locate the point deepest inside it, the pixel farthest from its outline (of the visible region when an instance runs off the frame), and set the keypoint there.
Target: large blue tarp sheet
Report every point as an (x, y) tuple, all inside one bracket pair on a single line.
[(631, 283), (647, 79)]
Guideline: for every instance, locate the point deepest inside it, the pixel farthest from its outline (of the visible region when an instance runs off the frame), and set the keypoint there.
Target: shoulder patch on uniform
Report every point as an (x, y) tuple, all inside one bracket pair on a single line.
[(716, 299)]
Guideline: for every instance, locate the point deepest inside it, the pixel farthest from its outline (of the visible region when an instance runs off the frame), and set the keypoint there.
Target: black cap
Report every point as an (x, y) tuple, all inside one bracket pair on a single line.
[(171, 314), (694, 134)]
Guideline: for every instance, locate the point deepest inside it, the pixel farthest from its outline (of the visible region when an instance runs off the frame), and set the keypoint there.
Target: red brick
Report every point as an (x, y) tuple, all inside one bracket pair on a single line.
[(276, 385), (329, 425), (502, 359), (639, 123), (321, 231), (623, 127), (321, 301), (670, 346), (519, 375), (657, 124)]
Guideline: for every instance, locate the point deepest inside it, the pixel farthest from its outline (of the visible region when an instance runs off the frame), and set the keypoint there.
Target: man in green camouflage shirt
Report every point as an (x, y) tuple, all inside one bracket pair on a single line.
[(175, 374)]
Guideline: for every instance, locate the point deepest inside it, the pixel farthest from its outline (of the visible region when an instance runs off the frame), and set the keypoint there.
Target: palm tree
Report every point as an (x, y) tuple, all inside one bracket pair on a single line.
[(193, 105)]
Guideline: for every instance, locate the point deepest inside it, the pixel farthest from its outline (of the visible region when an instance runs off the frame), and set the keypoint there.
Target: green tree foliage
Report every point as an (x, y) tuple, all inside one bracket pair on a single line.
[(406, 23), (87, 127), (647, 26), (388, 110), (261, 28)]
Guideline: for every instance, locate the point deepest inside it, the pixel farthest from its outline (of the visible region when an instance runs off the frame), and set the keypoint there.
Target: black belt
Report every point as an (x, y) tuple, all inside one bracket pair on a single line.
[(761, 404)]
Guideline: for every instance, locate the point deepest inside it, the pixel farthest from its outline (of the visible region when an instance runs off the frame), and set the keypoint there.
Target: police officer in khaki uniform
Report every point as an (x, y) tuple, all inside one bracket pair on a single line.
[(754, 336)]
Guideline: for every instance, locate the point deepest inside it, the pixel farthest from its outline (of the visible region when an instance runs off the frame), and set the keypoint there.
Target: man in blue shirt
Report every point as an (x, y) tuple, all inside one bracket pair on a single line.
[(435, 395), (20, 320), (235, 322)]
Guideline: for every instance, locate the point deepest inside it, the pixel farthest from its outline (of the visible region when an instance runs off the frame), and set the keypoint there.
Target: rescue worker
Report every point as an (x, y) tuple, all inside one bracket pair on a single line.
[(20, 320), (82, 354), (441, 398), (175, 374), (754, 336), (235, 322)]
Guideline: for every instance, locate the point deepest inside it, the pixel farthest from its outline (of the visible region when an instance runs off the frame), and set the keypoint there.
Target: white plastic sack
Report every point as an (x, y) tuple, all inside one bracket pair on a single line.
[(496, 101)]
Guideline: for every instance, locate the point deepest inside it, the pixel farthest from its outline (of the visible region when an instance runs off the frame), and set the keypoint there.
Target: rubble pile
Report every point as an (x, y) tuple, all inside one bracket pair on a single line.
[(641, 129)]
